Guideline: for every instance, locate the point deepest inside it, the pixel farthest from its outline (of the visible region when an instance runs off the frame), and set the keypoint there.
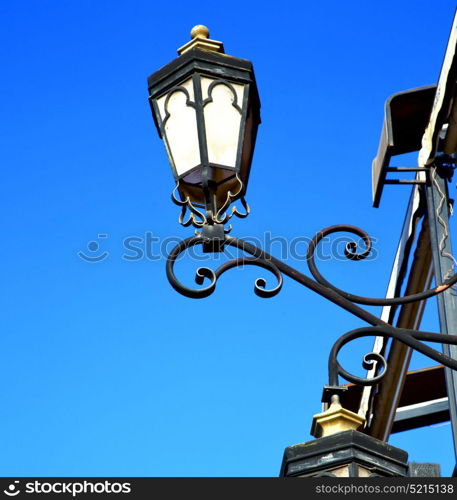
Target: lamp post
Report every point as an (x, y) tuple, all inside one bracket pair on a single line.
[(206, 108)]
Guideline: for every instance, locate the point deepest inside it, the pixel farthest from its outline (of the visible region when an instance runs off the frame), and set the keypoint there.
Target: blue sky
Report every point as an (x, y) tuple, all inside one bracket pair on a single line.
[(106, 370)]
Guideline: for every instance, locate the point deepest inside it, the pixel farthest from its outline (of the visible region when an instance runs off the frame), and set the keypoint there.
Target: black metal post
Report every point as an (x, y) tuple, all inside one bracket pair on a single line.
[(443, 262)]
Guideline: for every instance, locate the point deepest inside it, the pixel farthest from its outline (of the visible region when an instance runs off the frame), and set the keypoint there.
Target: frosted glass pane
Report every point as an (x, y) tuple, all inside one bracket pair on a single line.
[(181, 133), (222, 122)]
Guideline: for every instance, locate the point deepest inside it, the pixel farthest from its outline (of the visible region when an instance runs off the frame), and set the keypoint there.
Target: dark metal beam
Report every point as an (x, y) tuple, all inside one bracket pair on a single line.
[(421, 414), (403, 181), (421, 389)]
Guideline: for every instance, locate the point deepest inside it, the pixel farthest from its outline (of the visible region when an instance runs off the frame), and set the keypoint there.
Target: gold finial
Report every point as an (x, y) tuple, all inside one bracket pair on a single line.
[(200, 40), (199, 30), (335, 419)]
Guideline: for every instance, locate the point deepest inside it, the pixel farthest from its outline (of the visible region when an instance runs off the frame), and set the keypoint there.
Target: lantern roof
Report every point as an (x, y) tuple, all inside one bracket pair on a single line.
[(209, 63)]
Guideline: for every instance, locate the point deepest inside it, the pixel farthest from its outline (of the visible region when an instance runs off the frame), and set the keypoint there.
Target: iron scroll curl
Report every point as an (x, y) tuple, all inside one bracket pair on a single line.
[(205, 273), (412, 338), (352, 254)]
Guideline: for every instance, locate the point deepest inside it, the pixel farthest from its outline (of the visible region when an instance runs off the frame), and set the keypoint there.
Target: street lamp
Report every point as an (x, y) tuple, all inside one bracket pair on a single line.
[(206, 108)]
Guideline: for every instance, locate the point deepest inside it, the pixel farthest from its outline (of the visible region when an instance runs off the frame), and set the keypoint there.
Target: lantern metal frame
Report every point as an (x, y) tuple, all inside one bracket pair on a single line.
[(223, 70)]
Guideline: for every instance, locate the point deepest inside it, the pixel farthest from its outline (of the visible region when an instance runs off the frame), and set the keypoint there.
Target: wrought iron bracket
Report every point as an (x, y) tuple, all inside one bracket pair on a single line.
[(216, 240)]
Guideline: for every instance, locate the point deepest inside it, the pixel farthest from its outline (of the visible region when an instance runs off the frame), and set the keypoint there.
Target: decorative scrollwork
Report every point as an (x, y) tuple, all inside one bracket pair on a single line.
[(351, 253), (411, 338), (204, 273), (222, 216), (198, 219)]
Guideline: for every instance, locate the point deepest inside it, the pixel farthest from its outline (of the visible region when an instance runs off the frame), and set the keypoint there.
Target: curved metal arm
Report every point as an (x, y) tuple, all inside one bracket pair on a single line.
[(412, 338)]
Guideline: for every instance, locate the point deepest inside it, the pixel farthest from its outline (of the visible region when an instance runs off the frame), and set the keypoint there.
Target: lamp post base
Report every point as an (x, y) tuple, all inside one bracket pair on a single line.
[(346, 454)]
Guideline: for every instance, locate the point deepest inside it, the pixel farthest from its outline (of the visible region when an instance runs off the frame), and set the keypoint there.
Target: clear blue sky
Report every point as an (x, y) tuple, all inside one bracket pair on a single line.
[(107, 371)]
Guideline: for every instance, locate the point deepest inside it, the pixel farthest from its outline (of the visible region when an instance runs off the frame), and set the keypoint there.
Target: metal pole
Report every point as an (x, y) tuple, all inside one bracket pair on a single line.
[(443, 262)]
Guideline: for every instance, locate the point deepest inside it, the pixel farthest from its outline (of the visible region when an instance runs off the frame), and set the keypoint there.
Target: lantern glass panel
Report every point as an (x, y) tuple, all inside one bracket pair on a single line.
[(179, 121), (222, 112)]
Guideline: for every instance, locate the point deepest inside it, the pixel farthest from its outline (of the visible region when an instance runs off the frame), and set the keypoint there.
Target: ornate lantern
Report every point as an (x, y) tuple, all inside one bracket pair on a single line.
[(206, 108)]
